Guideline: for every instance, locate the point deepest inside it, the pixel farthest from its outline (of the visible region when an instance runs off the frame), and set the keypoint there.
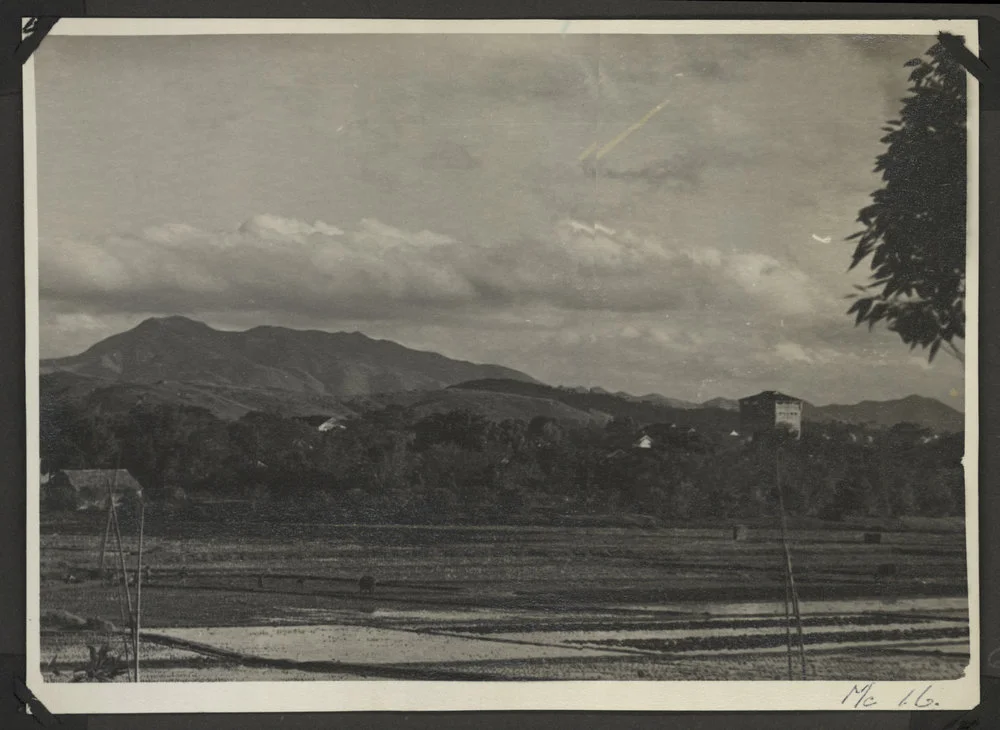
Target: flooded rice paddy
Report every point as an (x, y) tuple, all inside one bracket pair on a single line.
[(543, 605)]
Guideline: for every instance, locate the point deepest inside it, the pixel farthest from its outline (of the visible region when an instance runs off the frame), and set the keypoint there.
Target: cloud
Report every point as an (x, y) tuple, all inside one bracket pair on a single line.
[(278, 228), (793, 352), (450, 155), (684, 171), (378, 270), (585, 303), (269, 261)]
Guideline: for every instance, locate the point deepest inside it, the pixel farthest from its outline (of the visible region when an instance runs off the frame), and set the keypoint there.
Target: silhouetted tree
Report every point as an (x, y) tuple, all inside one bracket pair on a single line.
[(915, 228)]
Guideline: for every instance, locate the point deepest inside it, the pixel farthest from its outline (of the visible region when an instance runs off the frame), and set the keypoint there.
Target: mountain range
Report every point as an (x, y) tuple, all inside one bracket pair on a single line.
[(339, 364), (307, 372)]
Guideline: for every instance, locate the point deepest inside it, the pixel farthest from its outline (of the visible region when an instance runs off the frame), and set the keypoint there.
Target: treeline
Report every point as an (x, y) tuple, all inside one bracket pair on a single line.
[(391, 466)]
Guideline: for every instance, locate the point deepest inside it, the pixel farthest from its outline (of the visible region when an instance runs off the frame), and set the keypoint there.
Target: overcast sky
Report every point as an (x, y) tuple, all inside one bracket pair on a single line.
[(428, 189)]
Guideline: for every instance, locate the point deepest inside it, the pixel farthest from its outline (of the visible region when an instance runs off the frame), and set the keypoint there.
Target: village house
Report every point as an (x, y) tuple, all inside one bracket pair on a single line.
[(664, 435), (89, 488), (769, 411), (336, 422)]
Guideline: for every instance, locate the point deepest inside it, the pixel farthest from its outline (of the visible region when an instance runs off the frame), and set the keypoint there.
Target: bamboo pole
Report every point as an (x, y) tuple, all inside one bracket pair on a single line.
[(125, 644), (788, 624), (124, 570), (798, 617), (107, 536), (107, 527), (138, 586), (120, 597), (788, 561)]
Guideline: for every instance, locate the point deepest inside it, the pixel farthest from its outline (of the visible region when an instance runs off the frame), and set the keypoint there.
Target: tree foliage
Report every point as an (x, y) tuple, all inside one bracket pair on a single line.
[(394, 466), (915, 228)]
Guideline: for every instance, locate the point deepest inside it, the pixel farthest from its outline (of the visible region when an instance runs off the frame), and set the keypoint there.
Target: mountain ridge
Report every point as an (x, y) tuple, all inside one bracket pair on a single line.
[(305, 372), (921, 410), (917, 409), (338, 364)]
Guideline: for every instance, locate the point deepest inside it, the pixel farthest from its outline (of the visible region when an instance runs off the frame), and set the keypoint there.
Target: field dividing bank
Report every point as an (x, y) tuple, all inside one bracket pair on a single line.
[(447, 646), (436, 645), (531, 602), (253, 579)]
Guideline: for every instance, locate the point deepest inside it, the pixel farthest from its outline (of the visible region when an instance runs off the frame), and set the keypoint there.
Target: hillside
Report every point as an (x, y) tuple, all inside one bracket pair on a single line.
[(595, 401), (501, 406), (721, 413), (726, 404), (179, 350), (912, 409), (98, 395)]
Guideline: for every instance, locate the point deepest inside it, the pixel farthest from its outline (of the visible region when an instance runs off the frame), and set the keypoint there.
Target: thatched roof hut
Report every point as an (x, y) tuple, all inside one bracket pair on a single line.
[(87, 488)]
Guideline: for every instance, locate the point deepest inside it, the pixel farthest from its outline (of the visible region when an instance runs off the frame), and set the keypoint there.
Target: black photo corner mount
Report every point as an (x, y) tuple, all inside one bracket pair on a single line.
[(988, 76), (27, 698), (34, 30), (13, 57)]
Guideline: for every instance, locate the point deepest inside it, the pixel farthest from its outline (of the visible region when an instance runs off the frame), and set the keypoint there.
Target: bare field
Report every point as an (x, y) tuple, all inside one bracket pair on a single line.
[(518, 602)]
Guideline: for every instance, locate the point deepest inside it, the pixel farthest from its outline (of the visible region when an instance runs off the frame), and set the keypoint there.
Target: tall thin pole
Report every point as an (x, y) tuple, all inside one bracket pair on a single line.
[(121, 598), (124, 573), (788, 624), (107, 536), (798, 616), (107, 527), (138, 586), (788, 560)]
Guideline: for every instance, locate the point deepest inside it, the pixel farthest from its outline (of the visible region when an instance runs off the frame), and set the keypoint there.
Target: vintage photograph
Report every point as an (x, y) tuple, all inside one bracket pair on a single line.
[(444, 352)]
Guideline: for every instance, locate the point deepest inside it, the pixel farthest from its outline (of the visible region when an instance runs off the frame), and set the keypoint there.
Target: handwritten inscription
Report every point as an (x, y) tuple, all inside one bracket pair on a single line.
[(865, 696)]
